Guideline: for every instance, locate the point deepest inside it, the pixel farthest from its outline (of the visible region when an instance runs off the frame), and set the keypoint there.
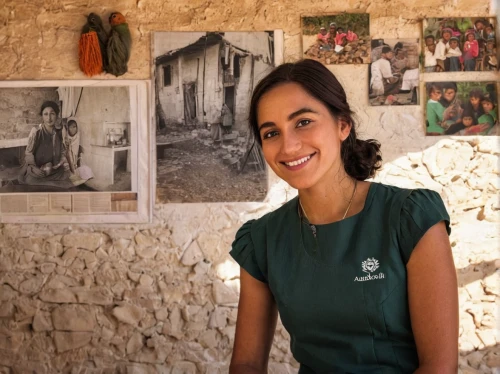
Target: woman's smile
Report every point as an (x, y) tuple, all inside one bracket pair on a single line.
[(299, 163)]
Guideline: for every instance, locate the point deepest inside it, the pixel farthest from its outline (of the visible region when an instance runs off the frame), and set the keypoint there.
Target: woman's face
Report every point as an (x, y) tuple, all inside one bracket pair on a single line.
[(449, 94), (49, 116), (300, 138)]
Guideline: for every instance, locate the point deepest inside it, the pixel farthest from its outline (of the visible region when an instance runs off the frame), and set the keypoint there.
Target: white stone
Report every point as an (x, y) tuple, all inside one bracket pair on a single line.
[(209, 339), (73, 318), (57, 295), (146, 280), (223, 294), (192, 255), (218, 318), (488, 337), (129, 313), (89, 241), (70, 253), (184, 367), (47, 268), (135, 343), (161, 314), (97, 296), (32, 285), (7, 309), (474, 359), (7, 293), (42, 322), (66, 341), (146, 252), (143, 240)]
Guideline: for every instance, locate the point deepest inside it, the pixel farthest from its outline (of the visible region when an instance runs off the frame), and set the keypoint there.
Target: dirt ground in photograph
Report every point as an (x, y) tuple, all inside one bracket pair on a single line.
[(191, 171), (393, 99)]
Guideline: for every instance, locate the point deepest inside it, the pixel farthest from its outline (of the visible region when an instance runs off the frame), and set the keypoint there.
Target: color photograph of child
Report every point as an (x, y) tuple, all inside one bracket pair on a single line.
[(459, 44), (394, 73), (461, 108), (337, 39)]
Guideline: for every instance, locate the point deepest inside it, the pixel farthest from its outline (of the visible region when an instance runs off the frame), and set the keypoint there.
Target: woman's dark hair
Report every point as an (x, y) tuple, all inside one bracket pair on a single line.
[(450, 85), (476, 92), (361, 158), (50, 104)]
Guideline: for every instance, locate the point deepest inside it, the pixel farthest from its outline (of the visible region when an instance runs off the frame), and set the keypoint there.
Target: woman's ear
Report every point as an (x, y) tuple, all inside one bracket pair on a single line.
[(344, 128)]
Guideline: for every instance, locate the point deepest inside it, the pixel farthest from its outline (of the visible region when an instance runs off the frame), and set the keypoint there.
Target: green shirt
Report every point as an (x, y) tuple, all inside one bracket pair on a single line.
[(343, 299), (435, 112)]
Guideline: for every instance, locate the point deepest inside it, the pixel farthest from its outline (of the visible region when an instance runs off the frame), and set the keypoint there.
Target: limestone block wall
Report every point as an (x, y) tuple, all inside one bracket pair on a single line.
[(162, 297)]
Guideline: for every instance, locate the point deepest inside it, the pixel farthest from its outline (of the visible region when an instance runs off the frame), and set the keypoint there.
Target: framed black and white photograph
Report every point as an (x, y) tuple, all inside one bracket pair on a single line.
[(74, 151), (203, 85)]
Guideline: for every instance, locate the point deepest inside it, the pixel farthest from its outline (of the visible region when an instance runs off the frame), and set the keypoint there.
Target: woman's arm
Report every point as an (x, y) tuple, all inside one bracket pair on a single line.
[(257, 315), (433, 300)]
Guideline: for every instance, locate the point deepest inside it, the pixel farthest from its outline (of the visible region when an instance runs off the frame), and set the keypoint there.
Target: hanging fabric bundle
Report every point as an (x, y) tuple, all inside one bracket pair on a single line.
[(89, 54)]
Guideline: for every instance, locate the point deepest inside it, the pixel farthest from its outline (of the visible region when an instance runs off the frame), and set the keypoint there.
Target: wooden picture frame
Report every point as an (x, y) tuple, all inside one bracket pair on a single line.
[(101, 138)]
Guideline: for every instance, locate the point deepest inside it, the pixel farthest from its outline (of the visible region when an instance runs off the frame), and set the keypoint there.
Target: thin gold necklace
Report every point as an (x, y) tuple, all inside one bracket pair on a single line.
[(313, 227)]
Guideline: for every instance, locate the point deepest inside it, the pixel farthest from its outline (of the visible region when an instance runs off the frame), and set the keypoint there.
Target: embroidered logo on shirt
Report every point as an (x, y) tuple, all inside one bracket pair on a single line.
[(369, 266)]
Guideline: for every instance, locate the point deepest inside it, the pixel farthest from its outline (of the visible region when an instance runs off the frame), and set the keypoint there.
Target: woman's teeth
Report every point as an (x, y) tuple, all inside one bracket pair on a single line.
[(298, 162)]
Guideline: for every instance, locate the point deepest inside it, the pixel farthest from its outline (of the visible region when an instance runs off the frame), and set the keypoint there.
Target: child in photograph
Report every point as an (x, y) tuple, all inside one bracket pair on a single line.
[(471, 51), (72, 141), (340, 38), (474, 105), (430, 62), (490, 59), (490, 116), (453, 54), (351, 36), (467, 121), (490, 32), (434, 110), (441, 47), (323, 36), (382, 81)]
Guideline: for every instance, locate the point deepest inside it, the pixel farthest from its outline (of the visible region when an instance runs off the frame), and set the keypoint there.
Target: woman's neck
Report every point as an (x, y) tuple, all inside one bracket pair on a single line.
[(329, 202), (48, 127)]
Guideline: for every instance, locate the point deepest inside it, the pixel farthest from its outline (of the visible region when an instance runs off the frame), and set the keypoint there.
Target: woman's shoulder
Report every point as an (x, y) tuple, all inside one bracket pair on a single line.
[(391, 195), (274, 219)]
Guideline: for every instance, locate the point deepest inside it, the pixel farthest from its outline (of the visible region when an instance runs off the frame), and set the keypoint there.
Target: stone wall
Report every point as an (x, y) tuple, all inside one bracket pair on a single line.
[(162, 297)]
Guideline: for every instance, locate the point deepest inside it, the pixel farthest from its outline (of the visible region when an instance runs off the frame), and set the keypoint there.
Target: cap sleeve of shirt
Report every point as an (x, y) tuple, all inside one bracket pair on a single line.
[(421, 210), (244, 252)]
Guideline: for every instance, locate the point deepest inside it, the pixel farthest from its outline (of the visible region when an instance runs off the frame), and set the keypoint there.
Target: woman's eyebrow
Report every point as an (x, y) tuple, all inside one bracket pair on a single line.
[(290, 117)]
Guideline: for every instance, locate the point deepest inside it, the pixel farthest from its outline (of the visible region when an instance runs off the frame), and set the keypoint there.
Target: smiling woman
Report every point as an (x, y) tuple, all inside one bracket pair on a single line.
[(360, 272)]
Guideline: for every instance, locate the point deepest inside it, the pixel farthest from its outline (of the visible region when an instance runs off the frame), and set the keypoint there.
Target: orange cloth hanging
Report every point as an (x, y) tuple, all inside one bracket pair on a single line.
[(89, 54)]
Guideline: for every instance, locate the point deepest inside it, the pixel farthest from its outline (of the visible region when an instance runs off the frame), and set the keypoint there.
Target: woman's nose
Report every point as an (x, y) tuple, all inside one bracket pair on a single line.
[(291, 143)]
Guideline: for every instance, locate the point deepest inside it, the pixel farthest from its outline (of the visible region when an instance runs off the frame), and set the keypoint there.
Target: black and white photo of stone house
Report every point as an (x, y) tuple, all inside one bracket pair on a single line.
[(90, 138), (204, 81)]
